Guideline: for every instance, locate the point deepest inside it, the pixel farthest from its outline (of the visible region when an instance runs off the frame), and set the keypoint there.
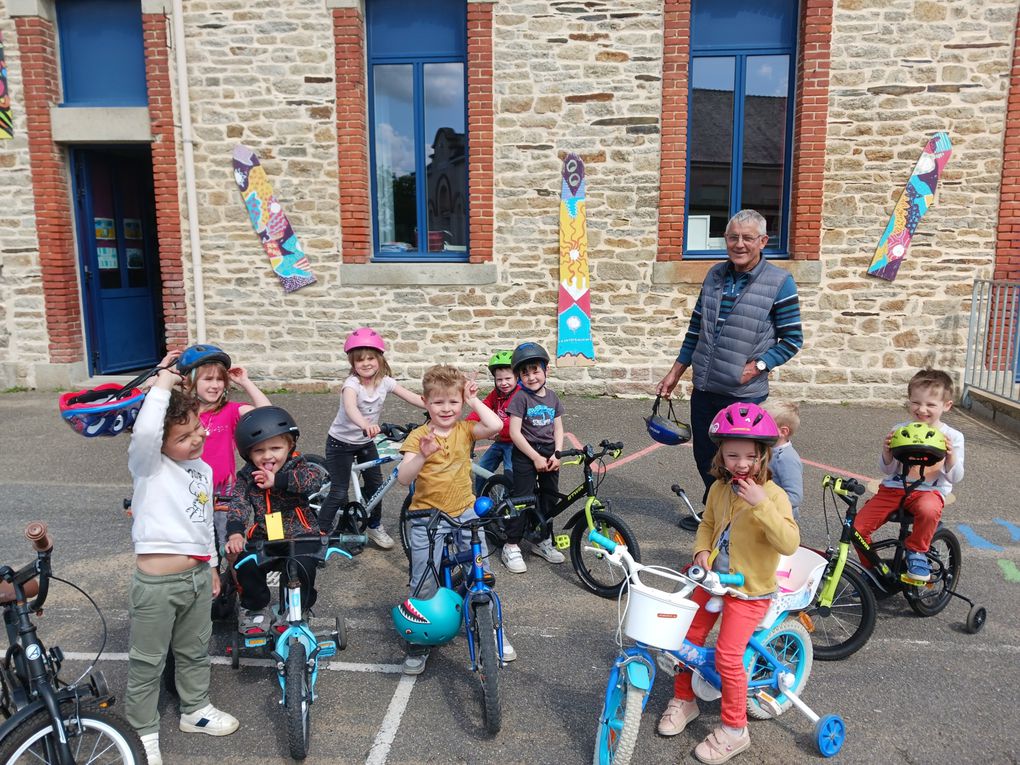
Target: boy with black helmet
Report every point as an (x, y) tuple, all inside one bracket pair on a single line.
[(926, 443), (536, 428), (275, 479), (504, 387)]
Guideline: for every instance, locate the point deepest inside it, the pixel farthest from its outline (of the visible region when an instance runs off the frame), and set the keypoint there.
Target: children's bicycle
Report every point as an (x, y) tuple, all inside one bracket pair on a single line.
[(590, 564), (467, 586), (778, 657), (291, 642), (45, 719), (842, 616)]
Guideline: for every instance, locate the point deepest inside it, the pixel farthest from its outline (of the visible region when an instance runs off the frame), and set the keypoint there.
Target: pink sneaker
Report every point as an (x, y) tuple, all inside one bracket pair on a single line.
[(678, 713)]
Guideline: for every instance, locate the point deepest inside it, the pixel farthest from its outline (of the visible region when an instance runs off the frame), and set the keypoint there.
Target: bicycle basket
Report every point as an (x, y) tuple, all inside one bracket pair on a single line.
[(667, 430), (657, 618), (103, 411)]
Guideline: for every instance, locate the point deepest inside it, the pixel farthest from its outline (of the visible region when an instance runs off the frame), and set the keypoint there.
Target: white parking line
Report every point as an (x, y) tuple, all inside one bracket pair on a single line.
[(334, 666), (391, 722)]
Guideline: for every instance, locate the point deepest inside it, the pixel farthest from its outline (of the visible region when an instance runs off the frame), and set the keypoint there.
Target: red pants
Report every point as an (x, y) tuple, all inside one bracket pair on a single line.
[(739, 621), (925, 506)]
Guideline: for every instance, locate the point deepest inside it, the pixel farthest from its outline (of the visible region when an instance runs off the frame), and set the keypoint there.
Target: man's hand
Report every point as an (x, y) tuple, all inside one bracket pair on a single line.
[(235, 544), (749, 373)]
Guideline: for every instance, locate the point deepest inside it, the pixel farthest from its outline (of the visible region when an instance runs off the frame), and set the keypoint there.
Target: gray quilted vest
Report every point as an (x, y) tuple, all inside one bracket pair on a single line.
[(746, 334)]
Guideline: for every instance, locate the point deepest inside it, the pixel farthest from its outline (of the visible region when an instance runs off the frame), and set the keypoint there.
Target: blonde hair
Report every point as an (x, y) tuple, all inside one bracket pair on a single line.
[(761, 476), (785, 413), (190, 383), (932, 378), (441, 377), (356, 354)]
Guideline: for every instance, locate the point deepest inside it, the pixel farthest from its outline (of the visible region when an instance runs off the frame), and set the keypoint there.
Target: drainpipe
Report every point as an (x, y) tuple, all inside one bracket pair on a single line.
[(189, 169)]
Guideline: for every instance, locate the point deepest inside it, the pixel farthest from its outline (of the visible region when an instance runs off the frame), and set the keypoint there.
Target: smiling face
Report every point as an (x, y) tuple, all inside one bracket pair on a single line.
[(270, 454), (927, 404), (210, 384), (532, 376), (444, 406), (741, 458), (184, 441), (365, 363), (504, 380), (744, 243)]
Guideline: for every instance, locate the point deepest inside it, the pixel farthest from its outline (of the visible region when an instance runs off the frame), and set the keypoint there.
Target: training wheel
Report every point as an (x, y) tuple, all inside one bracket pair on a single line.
[(341, 633), (976, 619), (234, 650), (830, 732)]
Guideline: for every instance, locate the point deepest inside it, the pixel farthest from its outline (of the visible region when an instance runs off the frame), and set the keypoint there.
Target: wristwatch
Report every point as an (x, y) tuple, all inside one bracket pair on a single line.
[(761, 366)]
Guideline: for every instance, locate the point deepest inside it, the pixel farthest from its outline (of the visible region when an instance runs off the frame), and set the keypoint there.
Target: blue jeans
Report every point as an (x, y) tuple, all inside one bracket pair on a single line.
[(498, 453), (704, 407)]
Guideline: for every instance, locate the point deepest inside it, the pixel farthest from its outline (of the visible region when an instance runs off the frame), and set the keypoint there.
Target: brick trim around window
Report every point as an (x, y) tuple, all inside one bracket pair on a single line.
[(165, 185), (481, 156), (1007, 235), (50, 190), (811, 110)]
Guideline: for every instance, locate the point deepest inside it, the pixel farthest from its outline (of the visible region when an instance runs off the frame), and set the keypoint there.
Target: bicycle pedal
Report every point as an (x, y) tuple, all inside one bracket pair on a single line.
[(255, 642), (907, 579), (562, 541), (327, 648), (769, 703)]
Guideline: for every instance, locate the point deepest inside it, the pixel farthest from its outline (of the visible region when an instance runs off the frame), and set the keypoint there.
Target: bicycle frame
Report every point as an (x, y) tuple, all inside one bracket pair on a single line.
[(477, 590)]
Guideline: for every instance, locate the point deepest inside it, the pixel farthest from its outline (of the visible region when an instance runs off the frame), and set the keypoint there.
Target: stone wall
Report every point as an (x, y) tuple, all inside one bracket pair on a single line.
[(581, 77)]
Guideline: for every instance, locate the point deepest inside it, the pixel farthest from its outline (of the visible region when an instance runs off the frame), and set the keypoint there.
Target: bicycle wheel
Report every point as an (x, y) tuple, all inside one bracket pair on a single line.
[(945, 558), (102, 738), (790, 643), (484, 633), (618, 724), (595, 570), (405, 527), (297, 700), (497, 489), (845, 626), (316, 499)]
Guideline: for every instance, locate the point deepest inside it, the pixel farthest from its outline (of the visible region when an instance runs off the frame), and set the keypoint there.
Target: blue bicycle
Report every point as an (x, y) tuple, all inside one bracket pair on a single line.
[(778, 657), (295, 647), (467, 593)]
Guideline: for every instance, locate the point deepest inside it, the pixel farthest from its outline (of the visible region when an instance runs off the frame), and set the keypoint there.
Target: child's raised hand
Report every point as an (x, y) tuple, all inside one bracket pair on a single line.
[(235, 544), (264, 479), (749, 491), (238, 375), (950, 460), (470, 390), (887, 457), (428, 445)]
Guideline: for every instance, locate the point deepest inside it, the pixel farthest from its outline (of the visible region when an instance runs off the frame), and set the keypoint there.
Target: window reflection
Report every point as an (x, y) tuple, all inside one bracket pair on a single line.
[(710, 148), (764, 150), (393, 129), (446, 158)]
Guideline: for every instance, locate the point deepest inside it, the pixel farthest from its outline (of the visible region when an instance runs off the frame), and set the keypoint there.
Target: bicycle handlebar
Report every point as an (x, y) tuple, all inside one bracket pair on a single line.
[(589, 453), (397, 432), (843, 487), (21, 580), (316, 546)]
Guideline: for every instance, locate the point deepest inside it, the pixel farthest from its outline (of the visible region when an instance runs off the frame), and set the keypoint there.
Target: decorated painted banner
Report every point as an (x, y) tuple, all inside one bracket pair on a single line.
[(574, 347), (270, 222), (6, 122), (913, 203)]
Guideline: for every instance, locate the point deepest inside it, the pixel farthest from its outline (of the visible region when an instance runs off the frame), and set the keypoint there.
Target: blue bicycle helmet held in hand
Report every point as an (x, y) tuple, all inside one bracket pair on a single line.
[(198, 355), (431, 621), (667, 430)]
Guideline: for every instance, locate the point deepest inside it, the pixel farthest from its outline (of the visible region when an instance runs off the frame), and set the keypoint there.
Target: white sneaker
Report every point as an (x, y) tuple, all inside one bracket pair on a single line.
[(209, 720), (546, 549), (151, 743), (513, 560), (380, 537), (509, 654)]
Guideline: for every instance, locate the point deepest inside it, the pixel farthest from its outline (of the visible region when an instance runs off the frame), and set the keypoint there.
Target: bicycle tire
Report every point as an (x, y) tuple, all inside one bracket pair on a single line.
[(789, 642), (595, 571), (316, 499), (405, 527), (945, 556), (485, 637), (102, 732), (297, 701), (617, 736), (850, 620), (497, 488)]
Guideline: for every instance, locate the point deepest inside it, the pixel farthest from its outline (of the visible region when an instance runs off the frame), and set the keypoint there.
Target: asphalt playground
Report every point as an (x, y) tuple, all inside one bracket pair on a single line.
[(920, 691)]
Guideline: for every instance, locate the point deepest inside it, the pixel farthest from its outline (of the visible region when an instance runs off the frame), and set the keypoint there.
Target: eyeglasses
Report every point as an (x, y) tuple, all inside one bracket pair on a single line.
[(742, 238)]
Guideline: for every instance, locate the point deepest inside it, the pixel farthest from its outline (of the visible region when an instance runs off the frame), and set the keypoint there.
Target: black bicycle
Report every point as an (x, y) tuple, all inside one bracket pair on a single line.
[(45, 719)]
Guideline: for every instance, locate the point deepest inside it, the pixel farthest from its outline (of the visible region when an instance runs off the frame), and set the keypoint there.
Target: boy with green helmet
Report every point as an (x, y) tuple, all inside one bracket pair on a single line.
[(925, 455), (505, 387)]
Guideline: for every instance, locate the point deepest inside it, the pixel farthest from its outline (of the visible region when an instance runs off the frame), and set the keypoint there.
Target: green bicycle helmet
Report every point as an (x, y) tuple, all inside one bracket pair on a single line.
[(918, 444), (500, 360), (431, 621)]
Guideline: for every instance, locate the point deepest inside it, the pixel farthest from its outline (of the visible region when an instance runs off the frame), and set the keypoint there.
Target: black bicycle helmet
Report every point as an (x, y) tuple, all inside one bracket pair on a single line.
[(262, 423), (918, 444), (667, 430), (526, 352), (196, 355)]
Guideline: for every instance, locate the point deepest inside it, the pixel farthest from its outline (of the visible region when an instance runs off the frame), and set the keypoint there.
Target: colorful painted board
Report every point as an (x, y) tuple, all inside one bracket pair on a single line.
[(270, 222), (6, 122), (574, 347), (913, 203)]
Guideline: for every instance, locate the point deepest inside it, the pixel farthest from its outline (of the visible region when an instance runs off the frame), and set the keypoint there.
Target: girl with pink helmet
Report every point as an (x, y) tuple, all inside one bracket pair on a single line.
[(748, 523), (356, 424)]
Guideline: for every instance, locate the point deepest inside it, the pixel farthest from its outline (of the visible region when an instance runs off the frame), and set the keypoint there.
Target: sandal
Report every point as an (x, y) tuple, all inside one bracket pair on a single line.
[(721, 746)]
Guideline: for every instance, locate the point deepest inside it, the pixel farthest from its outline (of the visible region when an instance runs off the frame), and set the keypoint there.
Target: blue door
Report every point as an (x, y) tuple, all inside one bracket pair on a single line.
[(118, 257)]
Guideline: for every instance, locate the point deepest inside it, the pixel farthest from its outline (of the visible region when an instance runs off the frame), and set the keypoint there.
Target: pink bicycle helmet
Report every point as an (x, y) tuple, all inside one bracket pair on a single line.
[(744, 420), (364, 337)]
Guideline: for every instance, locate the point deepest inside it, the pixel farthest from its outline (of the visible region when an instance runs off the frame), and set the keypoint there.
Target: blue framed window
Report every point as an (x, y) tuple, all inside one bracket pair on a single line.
[(417, 55), (102, 52), (740, 119)]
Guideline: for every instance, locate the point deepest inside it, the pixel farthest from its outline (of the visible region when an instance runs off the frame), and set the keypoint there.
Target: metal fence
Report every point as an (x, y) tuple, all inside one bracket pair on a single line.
[(992, 371)]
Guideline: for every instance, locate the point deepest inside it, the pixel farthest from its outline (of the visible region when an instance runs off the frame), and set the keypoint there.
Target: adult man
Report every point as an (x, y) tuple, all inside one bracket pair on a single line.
[(746, 323)]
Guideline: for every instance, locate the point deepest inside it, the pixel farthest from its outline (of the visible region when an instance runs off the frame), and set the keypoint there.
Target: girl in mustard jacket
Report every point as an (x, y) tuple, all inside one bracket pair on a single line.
[(748, 523)]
